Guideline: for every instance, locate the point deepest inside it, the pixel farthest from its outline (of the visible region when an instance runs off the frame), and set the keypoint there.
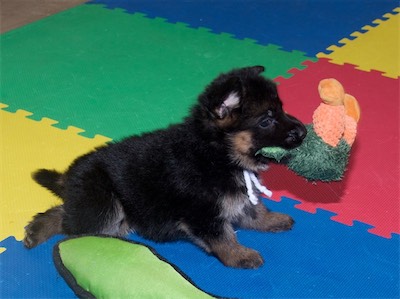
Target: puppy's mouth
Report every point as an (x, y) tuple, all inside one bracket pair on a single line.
[(261, 159), (279, 153), (275, 155)]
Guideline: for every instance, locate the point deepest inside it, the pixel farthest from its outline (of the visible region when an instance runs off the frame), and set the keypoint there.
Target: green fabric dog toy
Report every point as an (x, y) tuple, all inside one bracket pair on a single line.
[(324, 153), (109, 267)]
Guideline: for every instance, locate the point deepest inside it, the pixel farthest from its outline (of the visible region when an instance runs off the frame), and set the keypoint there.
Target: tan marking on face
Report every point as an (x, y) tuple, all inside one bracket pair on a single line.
[(241, 144)]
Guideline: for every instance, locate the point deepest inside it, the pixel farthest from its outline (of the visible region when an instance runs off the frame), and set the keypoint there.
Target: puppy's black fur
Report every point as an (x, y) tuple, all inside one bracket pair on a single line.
[(182, 182)]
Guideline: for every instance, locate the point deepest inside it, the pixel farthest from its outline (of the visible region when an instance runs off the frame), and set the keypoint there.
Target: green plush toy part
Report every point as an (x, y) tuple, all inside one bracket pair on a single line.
[(109, 267), (324, 153)]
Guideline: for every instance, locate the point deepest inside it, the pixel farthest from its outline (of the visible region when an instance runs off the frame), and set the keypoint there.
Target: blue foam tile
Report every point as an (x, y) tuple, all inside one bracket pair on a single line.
[(30, 273), (319, 258), (309, 26)]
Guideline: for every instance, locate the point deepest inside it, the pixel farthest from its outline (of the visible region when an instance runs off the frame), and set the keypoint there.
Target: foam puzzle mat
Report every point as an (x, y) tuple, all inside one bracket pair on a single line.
[(108, 69)]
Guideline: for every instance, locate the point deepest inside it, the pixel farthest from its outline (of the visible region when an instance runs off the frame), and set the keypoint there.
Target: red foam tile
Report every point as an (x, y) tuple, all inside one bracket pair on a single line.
[(370, 190)]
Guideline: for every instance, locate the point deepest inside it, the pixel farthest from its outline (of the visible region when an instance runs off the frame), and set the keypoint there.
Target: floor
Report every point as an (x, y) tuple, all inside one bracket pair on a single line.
[(16, 13), (111, 68)]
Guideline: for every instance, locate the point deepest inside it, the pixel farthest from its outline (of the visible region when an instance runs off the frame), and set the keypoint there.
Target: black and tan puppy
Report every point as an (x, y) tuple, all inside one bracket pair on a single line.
[(186, 181)]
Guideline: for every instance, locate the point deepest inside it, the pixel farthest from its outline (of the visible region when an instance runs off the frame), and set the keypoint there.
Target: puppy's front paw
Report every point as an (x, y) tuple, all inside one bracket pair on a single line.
[(242, 257), (250, 259), (277, 222)]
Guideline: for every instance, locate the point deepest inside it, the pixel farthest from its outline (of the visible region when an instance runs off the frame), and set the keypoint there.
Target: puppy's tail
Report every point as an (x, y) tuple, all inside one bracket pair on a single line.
[(50, 179)]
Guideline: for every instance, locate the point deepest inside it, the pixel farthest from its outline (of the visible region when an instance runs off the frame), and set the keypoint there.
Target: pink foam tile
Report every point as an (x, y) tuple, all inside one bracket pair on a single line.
[(369, 191)]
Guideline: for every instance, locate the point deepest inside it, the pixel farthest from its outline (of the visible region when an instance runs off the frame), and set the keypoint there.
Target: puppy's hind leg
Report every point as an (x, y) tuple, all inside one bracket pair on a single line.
[(44, 226)]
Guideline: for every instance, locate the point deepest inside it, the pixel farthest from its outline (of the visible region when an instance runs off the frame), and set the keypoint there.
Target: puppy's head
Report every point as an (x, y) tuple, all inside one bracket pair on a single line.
[(245, 108)]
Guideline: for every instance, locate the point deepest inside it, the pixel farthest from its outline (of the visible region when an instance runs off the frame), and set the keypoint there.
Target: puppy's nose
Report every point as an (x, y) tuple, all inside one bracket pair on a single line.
[(301, 132), (296, 136)]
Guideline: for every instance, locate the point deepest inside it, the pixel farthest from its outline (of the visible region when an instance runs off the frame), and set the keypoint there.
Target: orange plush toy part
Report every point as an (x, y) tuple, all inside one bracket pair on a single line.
[(337, 115)]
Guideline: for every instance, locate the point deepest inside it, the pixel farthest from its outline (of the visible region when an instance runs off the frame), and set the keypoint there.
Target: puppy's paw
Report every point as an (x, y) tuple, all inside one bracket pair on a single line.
[(34, 234), (30, 239), (277, 222), (250, 259), (242, 257), (43, 226)]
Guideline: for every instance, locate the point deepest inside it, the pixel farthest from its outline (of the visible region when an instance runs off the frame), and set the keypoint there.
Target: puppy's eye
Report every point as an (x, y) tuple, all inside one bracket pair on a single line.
[(266, 122)]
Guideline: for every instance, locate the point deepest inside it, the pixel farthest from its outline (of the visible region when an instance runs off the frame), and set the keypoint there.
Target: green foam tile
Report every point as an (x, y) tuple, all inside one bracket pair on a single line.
[(116, 74)]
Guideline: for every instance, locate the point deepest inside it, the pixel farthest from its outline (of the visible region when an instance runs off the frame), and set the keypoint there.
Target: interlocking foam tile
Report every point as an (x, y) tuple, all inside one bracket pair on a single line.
[(319, 258), (376, 49), (135, 74), (306, 25), (30, 273), (27, 145), (370, 189)]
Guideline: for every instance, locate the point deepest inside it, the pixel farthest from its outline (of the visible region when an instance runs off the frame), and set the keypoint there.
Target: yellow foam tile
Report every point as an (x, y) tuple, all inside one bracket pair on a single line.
[(27, 145), (377, 49)]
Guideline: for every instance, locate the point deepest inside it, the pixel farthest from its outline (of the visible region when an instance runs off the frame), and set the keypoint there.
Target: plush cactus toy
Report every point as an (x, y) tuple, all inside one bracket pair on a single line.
[(324, 153)]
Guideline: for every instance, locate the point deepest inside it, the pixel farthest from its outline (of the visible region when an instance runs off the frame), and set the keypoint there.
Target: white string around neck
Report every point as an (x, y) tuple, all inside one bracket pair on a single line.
[(250, 179)]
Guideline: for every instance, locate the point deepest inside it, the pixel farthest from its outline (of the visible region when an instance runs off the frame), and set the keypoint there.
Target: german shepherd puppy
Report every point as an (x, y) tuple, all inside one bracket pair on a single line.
[(186, 181)]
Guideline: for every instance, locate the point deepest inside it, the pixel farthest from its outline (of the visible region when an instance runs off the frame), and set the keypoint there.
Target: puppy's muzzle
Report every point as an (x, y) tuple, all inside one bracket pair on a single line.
[(296, 133)]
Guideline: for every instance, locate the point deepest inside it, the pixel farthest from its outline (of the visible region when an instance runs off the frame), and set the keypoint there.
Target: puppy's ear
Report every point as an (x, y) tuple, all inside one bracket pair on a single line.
[(231, 102), (227, 97), (256, 70), (234, 84), (222, 100)]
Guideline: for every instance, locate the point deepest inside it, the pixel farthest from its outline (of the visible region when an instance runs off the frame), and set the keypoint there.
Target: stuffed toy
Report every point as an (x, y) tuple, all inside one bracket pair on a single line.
[(324, 153)]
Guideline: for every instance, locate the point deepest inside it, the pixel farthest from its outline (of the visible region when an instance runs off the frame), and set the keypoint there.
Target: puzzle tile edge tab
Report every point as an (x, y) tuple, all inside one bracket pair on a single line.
[(366, 28), (37, 134), (334, 217)]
